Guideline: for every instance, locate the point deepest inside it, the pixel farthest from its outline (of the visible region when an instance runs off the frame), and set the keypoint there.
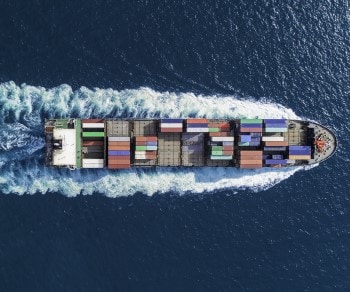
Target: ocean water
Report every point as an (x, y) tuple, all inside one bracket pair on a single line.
[(173, 229)]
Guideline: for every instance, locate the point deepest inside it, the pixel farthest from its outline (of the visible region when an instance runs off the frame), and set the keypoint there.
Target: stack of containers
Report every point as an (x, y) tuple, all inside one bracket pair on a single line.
[(251, 159), (275, 126), (197, 126), (299, 152), (93, 140), (171, 125), (251, 126), (221, 148), (146, 147), (118, 152), (277, 160)]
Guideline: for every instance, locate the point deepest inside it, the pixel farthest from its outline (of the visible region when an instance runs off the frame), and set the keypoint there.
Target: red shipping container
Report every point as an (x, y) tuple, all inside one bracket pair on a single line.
[(197, 121), (219, 134), (119, 147), (227, 148), (276, 143), (250, 166), (114, 162), (118, 143), (92, 143), (125, 158), (141, 143), (250, 152), (170, 130), (121, 166), (227, 152), (92, 120), (251, 130)]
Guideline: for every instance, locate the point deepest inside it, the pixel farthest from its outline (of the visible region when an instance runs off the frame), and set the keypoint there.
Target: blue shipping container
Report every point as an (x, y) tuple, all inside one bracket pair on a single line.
[(151, 143), (276, 161), (274, 121), (170, 121), (251, 125), (245, 138), (299, 152), (277, 148), (300, 148), (275, 126), (277, 156), (118, 153), (197, 125)]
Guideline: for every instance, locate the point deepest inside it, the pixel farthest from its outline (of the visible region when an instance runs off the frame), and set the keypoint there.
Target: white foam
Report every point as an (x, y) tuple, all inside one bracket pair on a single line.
[(22, 138)]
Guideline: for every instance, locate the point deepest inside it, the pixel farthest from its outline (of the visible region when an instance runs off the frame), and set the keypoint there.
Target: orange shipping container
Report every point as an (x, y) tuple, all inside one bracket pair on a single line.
[(250, 166), (251, 130), (114, 162), (121, 166), (219, 134), (171, 130), (197, 121), (119, 147), (125, 158), (276, 143), (118, 143), (252, 161), (227, 152), (248, 152)]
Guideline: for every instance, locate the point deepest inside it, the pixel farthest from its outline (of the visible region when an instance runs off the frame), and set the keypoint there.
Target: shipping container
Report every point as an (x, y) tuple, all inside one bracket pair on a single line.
[(242, 144), (300, 157), (250, 152), (276, 143), (171, 130), (276, 161), (118, 152), (197, 121), (274, 121), (283, 126), (197, 130), (120, 166), (300, 152), (211, 130), (223, 139), (259, 126), (93, 125), (275, 130), (118, 143), (172, 121), (275, 148), (245, 138), (249, 130), (122, 147), (171, 125), (92, 121), (125, 158), (93, 134), (251, 121), (227, 148), (250, 161), (118, 139), (250, 166), (220, 134), (297, 147), (92, 143), (223, 157), (273, 138)]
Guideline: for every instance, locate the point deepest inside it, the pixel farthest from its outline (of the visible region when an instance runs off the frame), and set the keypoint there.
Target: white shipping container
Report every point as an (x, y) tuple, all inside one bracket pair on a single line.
[(119, 139), (273, 139), (139, 156), (90, 160), (171, 125), (90, 165), (197, 130), (94, 125), (222, 139)]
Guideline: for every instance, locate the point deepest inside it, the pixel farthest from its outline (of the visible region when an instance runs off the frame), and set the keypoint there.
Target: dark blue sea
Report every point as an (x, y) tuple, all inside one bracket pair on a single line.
[(173, 229)]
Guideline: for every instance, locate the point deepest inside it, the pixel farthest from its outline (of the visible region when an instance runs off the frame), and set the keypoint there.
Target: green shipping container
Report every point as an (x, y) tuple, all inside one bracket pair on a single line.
[(141, 148), (216, 148), (216, 153), (93, 134), (211, 130), (251, 121)]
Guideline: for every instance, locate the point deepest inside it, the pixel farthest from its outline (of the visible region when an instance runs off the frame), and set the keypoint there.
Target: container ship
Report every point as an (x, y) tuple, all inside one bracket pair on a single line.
[(193, 142)]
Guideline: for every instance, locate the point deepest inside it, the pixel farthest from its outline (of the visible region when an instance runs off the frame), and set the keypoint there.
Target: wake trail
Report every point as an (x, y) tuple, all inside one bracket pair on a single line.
[(24, 108)]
